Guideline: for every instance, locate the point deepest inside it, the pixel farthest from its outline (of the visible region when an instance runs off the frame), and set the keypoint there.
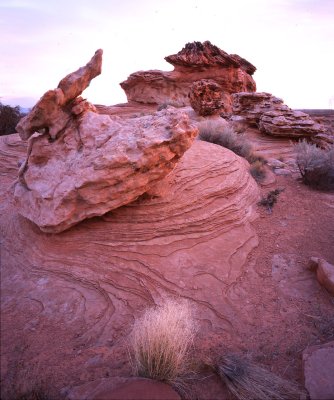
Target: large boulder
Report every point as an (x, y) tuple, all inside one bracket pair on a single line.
[(81, 164), (196, 61)]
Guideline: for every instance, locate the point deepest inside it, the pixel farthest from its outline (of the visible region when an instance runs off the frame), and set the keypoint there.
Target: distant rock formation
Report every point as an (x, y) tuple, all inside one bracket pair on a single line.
[(196, 61), (81, 164), (274, 118)]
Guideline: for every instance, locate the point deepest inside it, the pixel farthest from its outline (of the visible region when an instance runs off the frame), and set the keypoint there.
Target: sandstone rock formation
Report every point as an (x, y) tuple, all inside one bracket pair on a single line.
[(251, 106), (189, 238), (196, 61), (83, 164), (325, 273), (318, 365), (274, 118), (207, 97), (57, 107)]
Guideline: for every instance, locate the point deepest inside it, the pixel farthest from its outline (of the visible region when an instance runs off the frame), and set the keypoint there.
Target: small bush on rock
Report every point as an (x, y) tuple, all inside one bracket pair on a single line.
[(316, 165)]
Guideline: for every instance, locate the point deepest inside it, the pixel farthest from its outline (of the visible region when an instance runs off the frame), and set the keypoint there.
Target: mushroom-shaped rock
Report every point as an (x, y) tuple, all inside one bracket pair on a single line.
[(83, 164), (196, 61)]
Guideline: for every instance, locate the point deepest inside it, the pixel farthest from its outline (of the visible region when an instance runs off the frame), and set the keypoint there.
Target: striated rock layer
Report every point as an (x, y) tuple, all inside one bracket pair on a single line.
[(189, 238), (274, 118), (81, 164), (196, 61)]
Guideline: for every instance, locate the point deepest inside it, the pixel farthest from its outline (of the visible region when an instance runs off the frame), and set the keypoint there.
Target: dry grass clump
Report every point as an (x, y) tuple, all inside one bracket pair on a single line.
[(248, 381), (316, 165), (161, 343), (224, 134)]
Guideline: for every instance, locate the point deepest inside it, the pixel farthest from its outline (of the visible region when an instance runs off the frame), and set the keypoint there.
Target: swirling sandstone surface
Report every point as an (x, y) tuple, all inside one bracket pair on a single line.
[(189, 238)]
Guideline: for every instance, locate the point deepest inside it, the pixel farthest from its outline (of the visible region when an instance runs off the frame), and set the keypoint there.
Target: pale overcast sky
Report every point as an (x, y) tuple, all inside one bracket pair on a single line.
[(291, 42)]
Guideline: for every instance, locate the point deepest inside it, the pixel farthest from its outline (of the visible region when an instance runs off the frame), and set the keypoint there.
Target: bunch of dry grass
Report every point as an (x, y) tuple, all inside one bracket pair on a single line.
[(316, 165), (223, 134), (161, 343), (248, 381)]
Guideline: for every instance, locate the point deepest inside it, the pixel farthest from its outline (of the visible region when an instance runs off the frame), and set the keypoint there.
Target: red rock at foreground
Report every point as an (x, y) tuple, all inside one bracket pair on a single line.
[(83, 164), (318, 365), (196, 61)]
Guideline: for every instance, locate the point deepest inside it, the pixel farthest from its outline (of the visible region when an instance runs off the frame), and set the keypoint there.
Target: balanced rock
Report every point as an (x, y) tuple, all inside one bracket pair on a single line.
[(207, 97), (196, 61), (81, 164)]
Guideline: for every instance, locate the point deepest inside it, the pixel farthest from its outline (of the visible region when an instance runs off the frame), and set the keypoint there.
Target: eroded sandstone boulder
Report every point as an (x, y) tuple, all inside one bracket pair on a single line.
[(81, 164), (196, 61), (207, 97), (275, 118)]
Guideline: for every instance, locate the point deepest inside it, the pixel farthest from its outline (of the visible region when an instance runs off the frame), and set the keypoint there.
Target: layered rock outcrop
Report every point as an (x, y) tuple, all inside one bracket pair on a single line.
[(81, 164), (196, 61), (274, 118)]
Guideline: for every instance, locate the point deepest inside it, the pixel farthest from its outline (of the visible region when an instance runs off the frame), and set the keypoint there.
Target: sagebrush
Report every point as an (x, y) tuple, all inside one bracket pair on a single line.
[(316, 165)]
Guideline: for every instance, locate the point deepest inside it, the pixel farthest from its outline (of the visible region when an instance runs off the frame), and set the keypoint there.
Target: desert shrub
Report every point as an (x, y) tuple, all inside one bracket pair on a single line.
[(316, 165), (258, 170), (161, 342), (246, 380), (224, 135), (9, 118), (271, 199)]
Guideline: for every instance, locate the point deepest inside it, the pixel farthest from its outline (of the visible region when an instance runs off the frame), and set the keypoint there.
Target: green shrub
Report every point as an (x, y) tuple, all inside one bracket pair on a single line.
[(9, 118), (316, 165)]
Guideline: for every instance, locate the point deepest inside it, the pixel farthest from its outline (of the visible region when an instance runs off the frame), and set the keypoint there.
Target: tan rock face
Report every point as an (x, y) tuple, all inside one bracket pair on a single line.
[(83, 164), (207, 98), (275, 118), (196, 61)]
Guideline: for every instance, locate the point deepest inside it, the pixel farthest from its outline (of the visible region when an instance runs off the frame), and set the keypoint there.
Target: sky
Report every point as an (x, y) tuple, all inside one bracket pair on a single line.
[(291, 42)]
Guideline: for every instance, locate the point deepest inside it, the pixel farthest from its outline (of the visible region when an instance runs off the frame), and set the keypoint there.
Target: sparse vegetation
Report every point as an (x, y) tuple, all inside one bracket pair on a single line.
[(173, 103), (9, 118), (246, 380), (223, 134), (270, 199), (316, 165), (161, 342)]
